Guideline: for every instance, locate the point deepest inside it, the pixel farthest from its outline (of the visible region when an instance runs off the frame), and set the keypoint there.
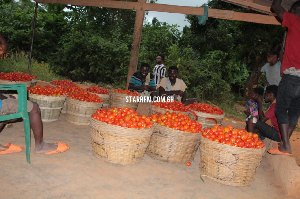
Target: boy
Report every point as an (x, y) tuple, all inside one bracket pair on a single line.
[(271, 69), (288, 96), (159, 70)]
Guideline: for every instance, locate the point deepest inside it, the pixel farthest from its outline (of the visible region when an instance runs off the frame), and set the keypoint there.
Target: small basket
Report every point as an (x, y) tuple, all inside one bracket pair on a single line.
[(227, 164), (105, 98), (80, 112), (171, 145), (155, 109), (50, 106), (119, 100), (27, 83), (119, 145), (209, 120)]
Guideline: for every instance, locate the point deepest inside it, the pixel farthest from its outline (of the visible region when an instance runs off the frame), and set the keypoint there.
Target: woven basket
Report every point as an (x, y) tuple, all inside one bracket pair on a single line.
[(27, 83), (209, 120), (155, 109), (119, 145), (227, 164), (172, 145), (80, 112), (105, 98), (119, 100), (50, 106)]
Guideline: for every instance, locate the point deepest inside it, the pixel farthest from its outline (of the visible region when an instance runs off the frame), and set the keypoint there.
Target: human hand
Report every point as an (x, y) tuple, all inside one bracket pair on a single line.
[(247, 111), (259, 100), (145, 87)]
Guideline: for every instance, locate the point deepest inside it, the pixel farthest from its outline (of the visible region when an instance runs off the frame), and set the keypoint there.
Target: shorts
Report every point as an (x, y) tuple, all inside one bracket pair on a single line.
[(10, 106)]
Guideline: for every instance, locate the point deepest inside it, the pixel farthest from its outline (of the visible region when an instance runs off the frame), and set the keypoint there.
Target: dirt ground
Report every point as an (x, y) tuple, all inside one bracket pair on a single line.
[(78, 173)]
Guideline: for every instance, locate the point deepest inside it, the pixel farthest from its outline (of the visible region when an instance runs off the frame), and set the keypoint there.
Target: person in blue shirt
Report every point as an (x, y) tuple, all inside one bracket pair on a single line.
[(143, 80)]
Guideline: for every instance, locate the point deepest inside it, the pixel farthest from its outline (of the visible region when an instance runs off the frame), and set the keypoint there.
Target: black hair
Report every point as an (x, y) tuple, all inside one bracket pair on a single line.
[(145, 65), (275, 53), (272, 89), (259, 91), (162, 57), (296, 5), (173, 68)]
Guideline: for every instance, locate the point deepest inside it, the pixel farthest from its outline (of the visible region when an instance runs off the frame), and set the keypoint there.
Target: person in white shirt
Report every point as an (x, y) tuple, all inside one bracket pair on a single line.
[(159, 70), (271, 69)]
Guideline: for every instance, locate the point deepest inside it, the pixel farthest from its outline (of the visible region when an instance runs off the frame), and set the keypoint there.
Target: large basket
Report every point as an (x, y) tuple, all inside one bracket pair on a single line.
[(155, 109), (80, 112), (209, 120), (50, 106), (105, 98), (119, 100), (119, 145), (27, 83), (172, 145), (227, 164)]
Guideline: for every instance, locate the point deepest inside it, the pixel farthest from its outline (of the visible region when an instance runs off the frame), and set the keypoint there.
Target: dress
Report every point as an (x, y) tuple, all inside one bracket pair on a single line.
[(288, 94), (159, 72), (179, 85), (253, 107), (272, 73)]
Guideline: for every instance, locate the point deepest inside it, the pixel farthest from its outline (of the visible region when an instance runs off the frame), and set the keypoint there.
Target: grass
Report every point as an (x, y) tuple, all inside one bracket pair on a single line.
[(19, 63)]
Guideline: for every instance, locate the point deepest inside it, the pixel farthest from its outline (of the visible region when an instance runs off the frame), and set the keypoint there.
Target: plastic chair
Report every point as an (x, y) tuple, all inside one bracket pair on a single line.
[(22, 112)]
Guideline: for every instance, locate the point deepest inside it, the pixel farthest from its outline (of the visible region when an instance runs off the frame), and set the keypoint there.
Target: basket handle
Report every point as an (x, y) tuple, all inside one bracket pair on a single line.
[(212, 119), (194, 114)]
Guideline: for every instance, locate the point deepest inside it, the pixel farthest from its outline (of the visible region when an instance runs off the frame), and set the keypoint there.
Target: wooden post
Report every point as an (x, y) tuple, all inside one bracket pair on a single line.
[(136, 41)]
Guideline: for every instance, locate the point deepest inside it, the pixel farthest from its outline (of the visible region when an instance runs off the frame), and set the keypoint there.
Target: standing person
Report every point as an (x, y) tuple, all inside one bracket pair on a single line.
[(288, 95), (3, 47), (159, 70), (271, 69)]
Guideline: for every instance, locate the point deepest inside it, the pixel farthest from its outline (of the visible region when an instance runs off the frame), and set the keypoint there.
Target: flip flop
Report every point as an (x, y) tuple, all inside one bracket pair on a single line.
[(12, 148), (275, 151), (61, 147)]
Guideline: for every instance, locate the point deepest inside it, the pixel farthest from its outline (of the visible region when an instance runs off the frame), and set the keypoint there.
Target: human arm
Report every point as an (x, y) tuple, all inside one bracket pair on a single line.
[(261, 114), (263, 78), (162, 92), (278, 9), (3, 47)]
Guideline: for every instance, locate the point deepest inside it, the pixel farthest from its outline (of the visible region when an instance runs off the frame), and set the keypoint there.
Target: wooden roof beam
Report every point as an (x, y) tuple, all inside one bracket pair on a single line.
[(214, 13), (250, 4)]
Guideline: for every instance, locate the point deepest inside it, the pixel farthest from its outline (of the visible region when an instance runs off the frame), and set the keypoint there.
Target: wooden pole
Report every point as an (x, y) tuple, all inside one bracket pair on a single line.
[(32, 37), (136, 41)]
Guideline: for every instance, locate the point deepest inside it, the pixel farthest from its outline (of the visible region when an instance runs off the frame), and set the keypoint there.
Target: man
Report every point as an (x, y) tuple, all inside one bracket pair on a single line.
[(143, 80), (159, 70), (267, 123), (271, 69), (288, 96), (173, 86), (3, 47)]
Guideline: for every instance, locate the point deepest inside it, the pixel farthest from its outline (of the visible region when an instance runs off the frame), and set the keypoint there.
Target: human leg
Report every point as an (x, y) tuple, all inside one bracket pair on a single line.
[(267, 131)]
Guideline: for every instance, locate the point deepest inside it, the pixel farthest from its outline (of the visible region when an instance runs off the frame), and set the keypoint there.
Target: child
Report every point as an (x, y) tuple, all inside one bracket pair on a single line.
[(251, 109)]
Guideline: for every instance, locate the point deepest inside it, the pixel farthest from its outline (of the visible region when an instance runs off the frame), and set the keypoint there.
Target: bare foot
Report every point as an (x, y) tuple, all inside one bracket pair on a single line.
[(45, 147), (284, 149), (3, 148)]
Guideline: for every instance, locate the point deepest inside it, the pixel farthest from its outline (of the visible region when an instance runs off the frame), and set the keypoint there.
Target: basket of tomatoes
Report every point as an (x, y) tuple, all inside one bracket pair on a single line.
[(207, 115), (50, 100), (230, 156), (81, 105), (120, 135), (17, 78), (175, 138), (123, 98), (103, 93), (173, 106)]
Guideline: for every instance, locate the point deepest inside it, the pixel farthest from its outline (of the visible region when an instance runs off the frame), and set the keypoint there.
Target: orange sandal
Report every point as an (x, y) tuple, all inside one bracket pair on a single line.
[(12, 148), (276, 151), (61, 147)]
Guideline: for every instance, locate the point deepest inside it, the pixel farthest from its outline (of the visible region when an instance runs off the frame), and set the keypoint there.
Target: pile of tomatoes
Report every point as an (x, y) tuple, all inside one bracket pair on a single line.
[(177, 121), (201, 107), (233, 137), (174, 106), (126, 92), (125, 117), (84, 96), (17, 76), (46, 90), (98, 90), (64, 83)]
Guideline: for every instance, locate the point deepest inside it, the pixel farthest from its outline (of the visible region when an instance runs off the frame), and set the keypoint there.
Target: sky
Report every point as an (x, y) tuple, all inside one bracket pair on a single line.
[(173, 18)]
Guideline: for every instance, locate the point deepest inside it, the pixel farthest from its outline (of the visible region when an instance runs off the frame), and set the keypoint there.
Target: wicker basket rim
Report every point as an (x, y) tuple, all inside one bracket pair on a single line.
[(46, 96)]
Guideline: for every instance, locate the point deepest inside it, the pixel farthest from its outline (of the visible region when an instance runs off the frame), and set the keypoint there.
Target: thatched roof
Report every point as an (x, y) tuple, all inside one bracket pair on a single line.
[(260, 5)]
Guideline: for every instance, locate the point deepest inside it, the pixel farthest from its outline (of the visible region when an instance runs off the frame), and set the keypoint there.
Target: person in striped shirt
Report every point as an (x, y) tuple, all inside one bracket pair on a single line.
[(159, 70), (143, 80)]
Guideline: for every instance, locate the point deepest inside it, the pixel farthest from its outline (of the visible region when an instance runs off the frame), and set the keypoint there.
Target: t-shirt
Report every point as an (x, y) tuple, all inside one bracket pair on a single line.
[(159, 72), (136, 80), (272, 73), (270, 113), (179, 85), (292, 47)]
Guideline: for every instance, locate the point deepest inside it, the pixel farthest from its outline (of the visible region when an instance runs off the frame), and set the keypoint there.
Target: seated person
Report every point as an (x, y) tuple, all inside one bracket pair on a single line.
[(267, 123), (251, 108), (10, 106), (143, 80), (173, 86)]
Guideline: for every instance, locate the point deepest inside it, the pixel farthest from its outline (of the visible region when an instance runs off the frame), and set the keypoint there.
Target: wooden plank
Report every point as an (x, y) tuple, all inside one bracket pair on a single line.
[(249, 4), (214, 13), (136, 42)]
